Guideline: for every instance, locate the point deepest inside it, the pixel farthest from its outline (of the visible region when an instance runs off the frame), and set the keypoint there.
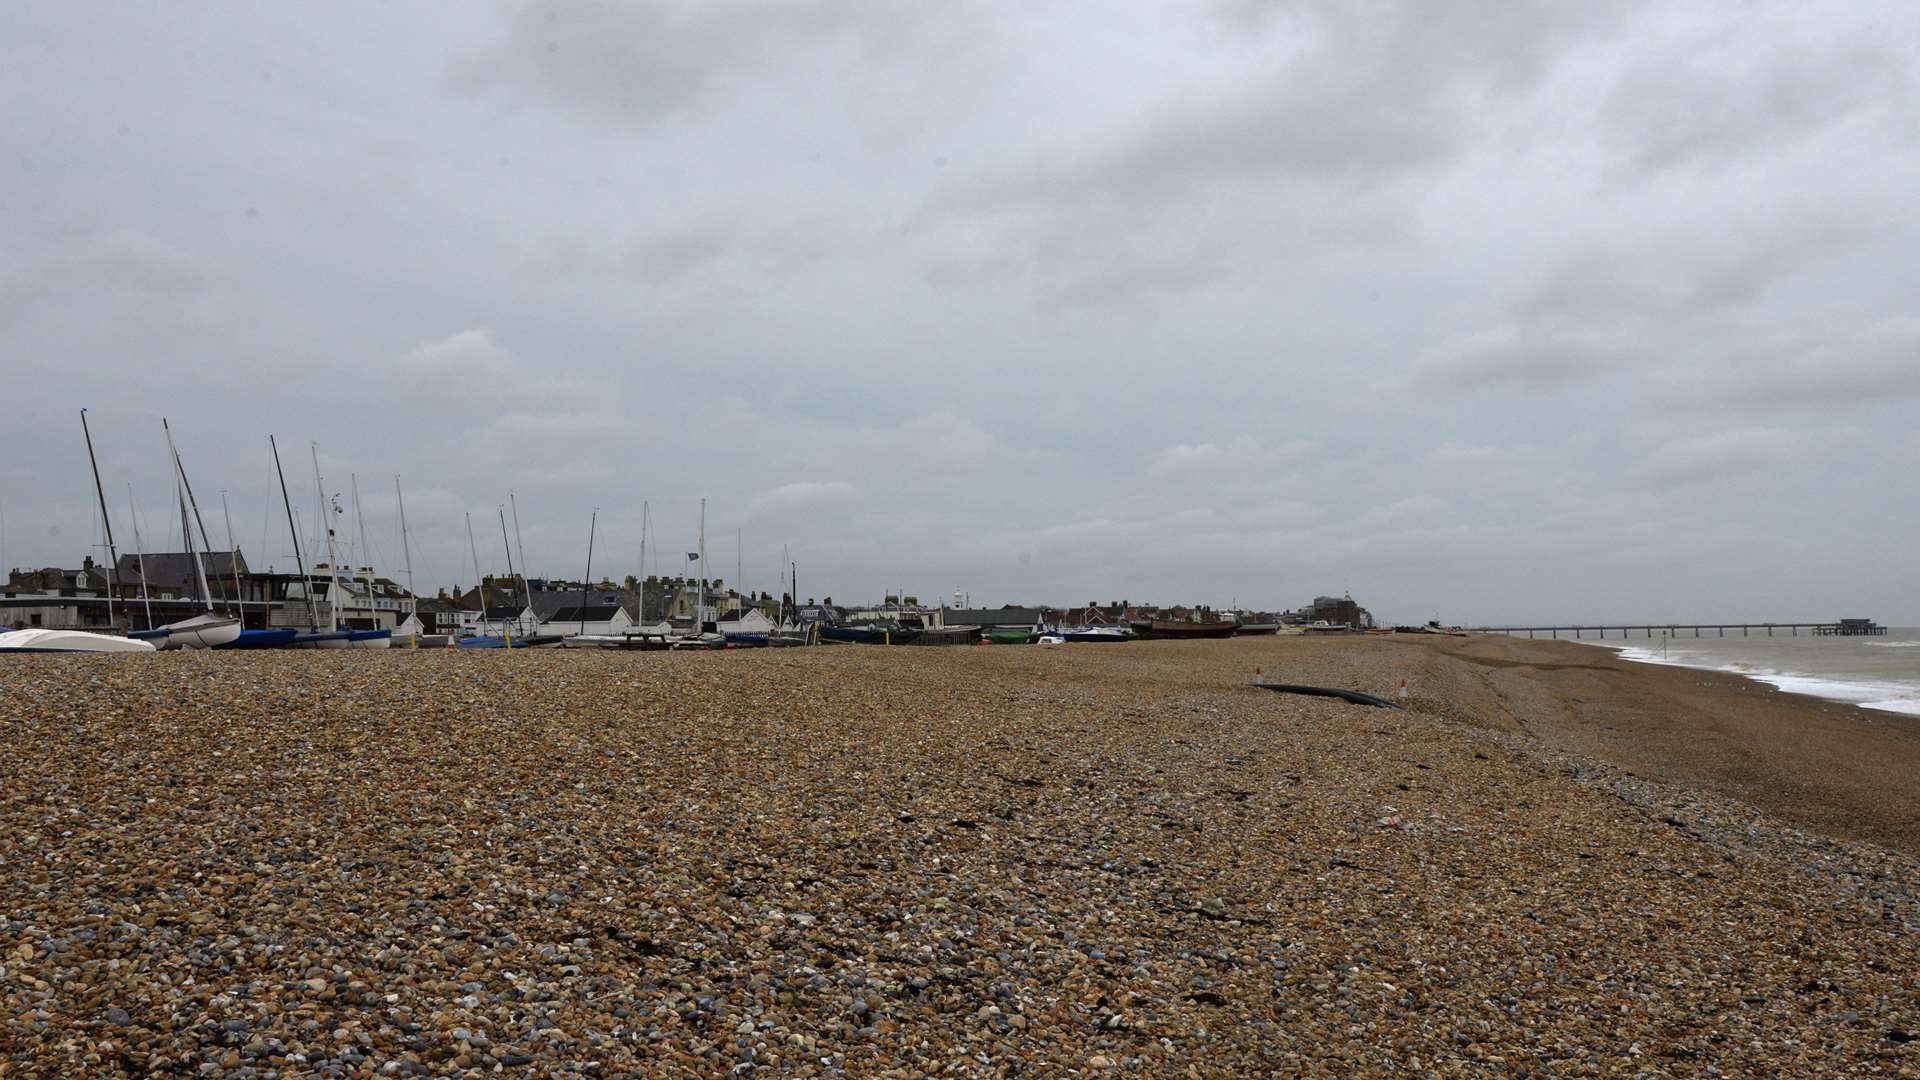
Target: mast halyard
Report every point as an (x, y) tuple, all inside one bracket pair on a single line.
[(233, 559), (333, 556), (526, 597), (480, 581), (113, 558), (587, 581), (206, 543), (293, 527), (140, 558), (406, 548)]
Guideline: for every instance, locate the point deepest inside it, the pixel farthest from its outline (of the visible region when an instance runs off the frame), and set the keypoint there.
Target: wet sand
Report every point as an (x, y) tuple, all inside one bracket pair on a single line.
[(1831, 767)]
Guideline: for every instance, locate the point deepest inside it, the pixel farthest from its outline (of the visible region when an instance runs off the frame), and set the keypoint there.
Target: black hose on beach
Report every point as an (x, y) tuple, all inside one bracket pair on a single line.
[(1354, 696)]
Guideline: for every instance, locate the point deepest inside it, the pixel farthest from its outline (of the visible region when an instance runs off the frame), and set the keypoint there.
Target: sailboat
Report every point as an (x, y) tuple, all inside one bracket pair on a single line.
[(379, 637), (506, 639), (330, 636), (204, 631)]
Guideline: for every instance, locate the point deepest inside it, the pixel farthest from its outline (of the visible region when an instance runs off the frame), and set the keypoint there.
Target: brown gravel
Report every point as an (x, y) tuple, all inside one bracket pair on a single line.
[(872, 862)]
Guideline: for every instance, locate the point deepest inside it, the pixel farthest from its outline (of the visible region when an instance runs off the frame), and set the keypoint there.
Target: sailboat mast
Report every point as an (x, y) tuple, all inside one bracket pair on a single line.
[(206, 544), (406, 546), (739, 563), (514, 502), (333, 556), (526, 594), (700, 602), (140, 557), (113, 558), (186, 522), (366, 552), (233, 559), (299, 556), (587, 582), (479, 579), (645, 519)]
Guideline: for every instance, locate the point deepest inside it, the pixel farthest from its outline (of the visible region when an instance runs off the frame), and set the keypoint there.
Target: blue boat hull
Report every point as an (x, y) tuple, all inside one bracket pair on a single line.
[(262, 639)]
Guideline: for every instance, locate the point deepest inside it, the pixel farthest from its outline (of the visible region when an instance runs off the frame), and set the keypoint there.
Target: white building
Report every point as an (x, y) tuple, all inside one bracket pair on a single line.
[(591, 619)]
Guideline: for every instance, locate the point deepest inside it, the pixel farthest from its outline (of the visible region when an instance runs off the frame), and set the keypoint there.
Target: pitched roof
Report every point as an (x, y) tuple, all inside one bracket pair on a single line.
[(1000, 616), (590, 613), (174, 569)]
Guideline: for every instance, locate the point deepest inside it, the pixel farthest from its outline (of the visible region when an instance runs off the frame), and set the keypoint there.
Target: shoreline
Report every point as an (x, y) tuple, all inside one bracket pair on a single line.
[(1798, 683), (1817, 763)]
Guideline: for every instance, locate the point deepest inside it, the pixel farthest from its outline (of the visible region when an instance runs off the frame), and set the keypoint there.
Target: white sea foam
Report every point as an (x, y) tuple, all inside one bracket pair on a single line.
[(1895, 644), (1882, 695)]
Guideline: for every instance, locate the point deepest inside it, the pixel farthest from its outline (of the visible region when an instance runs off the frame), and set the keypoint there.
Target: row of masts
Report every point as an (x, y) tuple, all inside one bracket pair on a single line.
[(190, 517)]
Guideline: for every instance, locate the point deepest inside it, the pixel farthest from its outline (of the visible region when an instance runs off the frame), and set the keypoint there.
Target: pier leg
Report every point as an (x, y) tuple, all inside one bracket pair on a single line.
[(1796, 631), (1769, 631), (1723, 631), (1696, 631)]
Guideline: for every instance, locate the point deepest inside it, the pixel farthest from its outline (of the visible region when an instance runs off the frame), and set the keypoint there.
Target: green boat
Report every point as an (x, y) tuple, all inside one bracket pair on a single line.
[(1009, 637)]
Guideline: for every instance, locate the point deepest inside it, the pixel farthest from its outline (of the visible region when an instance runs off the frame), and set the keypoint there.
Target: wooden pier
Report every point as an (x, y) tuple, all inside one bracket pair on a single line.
[(1841, 628)]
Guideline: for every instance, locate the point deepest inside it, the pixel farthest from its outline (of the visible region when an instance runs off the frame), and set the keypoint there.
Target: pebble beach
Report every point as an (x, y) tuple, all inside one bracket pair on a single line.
[(1089, 860)]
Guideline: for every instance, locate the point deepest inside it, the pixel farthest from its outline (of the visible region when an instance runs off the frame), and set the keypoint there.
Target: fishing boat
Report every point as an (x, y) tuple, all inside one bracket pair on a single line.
[(1246, 629), (68, 641), (948, 635), (1325, 627), (501, 641), (869, 634), (1008, 636), (638, 642), (1088, 635), (1182, 628)]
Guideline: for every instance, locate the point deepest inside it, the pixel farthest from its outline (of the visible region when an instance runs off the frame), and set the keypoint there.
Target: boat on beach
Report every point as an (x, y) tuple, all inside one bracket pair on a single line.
[(44, 640), (869, 634), (270, 638), (207, 631), (1094, 635), (1182, 628), (502, 641)]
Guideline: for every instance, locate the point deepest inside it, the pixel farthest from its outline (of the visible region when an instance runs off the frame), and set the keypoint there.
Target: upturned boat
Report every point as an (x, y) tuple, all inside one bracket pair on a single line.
[(68, 641)]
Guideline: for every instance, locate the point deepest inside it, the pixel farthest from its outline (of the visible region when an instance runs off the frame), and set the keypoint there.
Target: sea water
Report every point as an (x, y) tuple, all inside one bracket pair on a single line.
[(1872, 672)]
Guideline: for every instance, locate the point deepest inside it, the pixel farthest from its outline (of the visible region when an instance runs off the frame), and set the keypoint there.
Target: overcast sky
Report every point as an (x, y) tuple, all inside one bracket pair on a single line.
[(1478, 309)]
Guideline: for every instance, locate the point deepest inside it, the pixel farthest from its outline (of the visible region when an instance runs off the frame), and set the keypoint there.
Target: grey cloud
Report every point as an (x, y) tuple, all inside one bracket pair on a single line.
[(643, 63), (1513, 357), (1718, 90), (123, 261), (1853, 367), (1878, 363), (1169, 302), (1720, 455)]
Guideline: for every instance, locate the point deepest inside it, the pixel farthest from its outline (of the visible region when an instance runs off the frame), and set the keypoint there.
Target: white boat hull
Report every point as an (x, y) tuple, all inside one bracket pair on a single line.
[(199, 632), (69, 641)]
